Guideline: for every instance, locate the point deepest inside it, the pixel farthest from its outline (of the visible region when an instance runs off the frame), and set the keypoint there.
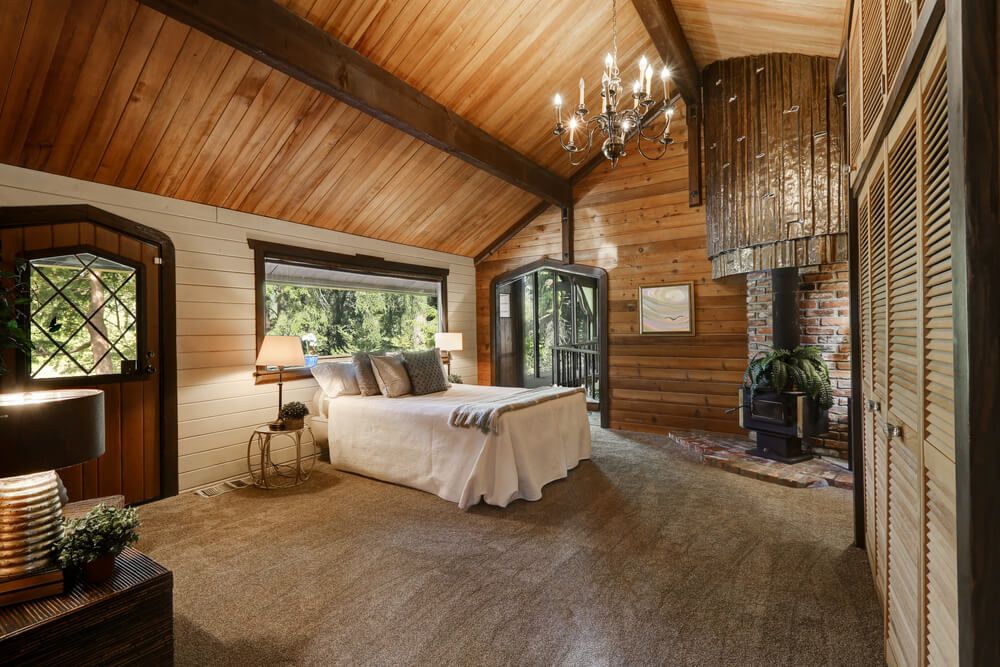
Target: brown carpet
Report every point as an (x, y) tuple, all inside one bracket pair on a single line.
[(640, 557)]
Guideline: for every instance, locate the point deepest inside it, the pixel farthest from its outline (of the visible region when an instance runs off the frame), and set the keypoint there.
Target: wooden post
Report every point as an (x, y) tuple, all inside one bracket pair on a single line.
[(694, 154), (568, 255), (974, 143)]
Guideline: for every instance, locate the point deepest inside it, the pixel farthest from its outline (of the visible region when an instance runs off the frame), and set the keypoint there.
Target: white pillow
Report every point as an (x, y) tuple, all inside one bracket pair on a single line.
[(391, 375), (320, 401), (336, 378)]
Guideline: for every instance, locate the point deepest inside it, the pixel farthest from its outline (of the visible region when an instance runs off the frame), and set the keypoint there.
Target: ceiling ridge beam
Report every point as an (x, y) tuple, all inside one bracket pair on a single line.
[(665, 30), (289, 43)]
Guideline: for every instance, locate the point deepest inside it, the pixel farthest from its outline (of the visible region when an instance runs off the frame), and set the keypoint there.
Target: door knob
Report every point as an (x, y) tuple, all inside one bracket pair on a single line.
[(873, 406), (893, 431)]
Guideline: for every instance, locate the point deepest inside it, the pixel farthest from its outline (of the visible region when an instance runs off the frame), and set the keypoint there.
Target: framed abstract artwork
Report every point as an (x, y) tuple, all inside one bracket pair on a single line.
[(667, 309)]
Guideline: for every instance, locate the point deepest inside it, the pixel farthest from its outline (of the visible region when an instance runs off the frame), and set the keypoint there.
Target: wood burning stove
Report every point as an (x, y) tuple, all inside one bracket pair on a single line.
[(782, 420)]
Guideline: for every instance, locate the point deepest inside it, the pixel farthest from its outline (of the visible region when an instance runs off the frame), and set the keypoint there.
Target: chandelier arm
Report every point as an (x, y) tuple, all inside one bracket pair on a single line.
[(663, 151)]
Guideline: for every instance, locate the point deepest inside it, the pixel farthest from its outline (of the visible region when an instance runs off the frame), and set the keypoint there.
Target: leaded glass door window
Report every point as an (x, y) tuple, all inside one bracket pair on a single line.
[(83, 316)]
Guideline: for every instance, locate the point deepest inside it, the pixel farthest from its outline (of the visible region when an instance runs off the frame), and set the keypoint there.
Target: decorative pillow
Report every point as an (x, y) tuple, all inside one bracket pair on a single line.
[(336, 378), (425, 371), (367, 384), (390, 373)]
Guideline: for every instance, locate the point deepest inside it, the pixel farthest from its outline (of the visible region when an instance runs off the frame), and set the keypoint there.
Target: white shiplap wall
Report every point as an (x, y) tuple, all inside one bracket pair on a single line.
[(218, 402)]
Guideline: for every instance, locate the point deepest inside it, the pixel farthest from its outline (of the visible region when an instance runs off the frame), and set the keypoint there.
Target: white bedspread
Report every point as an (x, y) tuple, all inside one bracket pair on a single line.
[(408, 441)]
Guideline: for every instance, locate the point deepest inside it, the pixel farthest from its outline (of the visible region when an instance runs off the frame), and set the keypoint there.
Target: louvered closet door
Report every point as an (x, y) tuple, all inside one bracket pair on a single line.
[(941, 574), (899, 20), (902, 407), (867, 423), (854, 112), (872, 65), (876, 396)]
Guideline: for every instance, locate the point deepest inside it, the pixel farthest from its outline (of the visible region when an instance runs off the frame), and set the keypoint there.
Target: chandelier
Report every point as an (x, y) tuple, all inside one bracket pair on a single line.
[(617, 126)]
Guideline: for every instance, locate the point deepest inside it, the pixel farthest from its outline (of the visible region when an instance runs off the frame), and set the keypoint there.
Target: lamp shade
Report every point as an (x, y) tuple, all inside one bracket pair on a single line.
[(281, 351), (45, 430), (449, 342)]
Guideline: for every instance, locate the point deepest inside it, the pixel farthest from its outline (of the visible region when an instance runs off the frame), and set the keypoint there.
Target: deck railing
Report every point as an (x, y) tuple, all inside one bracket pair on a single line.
[(578, 366)]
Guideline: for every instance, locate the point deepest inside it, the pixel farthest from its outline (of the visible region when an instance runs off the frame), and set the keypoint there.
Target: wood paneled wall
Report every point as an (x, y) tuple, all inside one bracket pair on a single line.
[(635, 222), (218, 402)]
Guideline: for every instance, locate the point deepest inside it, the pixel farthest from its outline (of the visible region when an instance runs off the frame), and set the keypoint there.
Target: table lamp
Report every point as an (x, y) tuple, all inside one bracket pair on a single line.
[(39, 432), (448, 342), (281, 352)]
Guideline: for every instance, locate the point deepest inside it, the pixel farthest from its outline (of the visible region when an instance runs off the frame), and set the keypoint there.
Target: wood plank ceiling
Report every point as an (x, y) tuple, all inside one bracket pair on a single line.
[(719, 29), (114, 92)]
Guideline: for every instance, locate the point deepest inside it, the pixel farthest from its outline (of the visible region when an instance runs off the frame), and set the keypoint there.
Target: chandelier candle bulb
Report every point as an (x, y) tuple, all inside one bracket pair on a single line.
[(665, 78), (618, 124)]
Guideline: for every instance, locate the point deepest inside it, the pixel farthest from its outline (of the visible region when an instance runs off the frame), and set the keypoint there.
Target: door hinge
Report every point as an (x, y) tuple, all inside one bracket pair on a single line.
[(157, 260)]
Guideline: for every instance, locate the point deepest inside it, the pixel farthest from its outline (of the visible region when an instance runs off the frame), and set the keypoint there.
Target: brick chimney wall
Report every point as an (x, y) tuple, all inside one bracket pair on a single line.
[(824, 312)]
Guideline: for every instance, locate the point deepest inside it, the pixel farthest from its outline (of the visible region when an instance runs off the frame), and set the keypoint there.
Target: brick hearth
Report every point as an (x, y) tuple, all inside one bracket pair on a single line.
[(731, 452)]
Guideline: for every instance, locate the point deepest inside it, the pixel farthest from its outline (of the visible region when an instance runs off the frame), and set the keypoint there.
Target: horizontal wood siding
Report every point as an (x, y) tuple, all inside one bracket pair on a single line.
[(218, 403), (635, 222)]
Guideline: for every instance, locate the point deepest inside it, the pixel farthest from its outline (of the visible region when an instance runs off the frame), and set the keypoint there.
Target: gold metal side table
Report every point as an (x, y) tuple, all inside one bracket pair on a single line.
[(270, 475)]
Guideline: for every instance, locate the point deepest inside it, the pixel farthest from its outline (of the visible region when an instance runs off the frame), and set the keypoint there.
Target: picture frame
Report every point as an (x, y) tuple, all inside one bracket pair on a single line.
[(667, 309)]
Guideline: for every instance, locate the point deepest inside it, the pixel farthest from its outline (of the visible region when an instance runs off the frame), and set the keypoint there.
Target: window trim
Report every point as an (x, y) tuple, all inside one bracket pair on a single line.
[(361, 264), (23, 369)]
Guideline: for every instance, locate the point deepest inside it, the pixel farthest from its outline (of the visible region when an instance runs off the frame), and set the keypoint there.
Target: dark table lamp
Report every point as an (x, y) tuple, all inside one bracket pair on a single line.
[(39, 432)]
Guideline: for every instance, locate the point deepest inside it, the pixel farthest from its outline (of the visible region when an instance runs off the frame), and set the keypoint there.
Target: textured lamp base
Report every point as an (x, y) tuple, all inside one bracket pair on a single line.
[(30, 522)]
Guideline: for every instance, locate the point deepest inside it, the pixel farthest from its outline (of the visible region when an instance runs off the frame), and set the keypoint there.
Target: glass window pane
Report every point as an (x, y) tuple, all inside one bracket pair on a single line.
[(337, 313), (82, 316), (528, 284), (546, 322)]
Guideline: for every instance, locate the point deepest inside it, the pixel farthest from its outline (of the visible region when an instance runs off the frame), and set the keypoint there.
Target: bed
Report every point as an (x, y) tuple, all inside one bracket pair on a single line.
[(409, 441)]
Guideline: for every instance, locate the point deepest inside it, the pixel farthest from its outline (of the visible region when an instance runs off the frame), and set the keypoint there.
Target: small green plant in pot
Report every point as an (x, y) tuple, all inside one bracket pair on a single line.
[(92, 542), (801, 369), (293, 415)]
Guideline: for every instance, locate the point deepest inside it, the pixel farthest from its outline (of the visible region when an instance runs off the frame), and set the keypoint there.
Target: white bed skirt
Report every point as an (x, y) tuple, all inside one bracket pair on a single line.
[(408, 441)]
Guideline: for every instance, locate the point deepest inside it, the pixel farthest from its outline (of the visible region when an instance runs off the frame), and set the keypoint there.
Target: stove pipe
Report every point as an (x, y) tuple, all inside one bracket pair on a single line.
[(785, 308)]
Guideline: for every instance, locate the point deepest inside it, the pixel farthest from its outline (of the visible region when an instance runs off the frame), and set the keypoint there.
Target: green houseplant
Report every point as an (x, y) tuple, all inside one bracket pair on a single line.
[(293, 414), (12, 335), (92, 542), (801, 369)]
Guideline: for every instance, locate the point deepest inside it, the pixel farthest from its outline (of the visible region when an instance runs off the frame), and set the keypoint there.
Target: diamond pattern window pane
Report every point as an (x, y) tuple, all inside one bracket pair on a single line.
[(83, 316)]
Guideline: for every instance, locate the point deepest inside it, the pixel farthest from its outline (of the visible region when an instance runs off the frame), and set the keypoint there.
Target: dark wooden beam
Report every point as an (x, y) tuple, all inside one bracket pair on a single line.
[(665, 29), (694, 155), (974, 143), (913, 58), (568, 232), (511, 231), (274, 35)]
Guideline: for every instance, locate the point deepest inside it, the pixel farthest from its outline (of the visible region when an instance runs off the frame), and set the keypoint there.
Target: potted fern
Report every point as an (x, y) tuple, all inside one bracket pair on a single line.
[(801, 369)]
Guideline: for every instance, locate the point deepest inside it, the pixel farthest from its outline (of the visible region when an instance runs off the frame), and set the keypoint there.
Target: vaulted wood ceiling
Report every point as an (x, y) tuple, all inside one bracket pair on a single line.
[(718, 29), (114, 92)]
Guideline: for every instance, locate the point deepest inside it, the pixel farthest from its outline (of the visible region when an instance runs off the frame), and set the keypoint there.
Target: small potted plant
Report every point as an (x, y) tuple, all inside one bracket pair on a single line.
[(92, 542), (293, 415)]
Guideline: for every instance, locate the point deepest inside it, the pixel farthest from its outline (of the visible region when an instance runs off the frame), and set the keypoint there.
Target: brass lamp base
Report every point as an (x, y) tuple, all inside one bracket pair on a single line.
[(30, 523)]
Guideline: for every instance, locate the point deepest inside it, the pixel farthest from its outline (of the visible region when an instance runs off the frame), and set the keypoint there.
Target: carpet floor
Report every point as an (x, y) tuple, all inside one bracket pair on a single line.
[(641, 556)]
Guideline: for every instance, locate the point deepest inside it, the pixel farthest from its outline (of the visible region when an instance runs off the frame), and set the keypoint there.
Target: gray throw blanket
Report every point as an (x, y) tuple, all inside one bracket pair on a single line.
[(485, 415)]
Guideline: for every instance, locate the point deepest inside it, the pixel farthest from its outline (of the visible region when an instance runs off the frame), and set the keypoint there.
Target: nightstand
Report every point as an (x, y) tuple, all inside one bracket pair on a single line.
[(270, 475)]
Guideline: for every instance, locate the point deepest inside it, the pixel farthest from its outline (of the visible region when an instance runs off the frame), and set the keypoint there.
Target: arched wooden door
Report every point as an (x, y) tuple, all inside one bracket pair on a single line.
[(98, 309)]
